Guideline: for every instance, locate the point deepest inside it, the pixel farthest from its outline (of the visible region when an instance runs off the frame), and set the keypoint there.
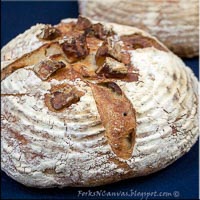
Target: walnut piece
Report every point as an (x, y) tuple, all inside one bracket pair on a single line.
[(101, 54), (49, 33), (75, 46), (116, 49), (46, 67), (112, 69), (83, 23), (65, 97), (98, 30), (112, 47)]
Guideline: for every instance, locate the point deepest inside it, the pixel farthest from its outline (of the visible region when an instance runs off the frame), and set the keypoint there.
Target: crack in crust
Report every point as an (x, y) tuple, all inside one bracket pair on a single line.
[(118, 117), (32, 58), (136, 41)]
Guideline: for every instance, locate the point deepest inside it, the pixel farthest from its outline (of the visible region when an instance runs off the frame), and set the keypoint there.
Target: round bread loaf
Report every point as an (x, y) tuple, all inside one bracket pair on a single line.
[(173, 22), (87, 103)]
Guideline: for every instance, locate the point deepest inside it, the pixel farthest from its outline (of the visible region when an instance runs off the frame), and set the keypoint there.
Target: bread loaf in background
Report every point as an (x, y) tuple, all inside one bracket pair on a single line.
[(174, 22), (88, 103)]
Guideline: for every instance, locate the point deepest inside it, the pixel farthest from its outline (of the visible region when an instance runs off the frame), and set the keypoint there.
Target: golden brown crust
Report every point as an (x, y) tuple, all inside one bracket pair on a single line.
[(118, 117), (32, 58), (136, 41)]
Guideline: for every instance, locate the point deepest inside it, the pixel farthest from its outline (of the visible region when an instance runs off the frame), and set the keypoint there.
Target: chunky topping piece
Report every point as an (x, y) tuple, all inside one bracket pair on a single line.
[(98, 30), (49, 33), (101, 54), (46, 67), (75, 46), (62, 96), (136, 41), (112, 47), (83, 23), (116, 49), (118, 117), (112, 69), (63, 99)]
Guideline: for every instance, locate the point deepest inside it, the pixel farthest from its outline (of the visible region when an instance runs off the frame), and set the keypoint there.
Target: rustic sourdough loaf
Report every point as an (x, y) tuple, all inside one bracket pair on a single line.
[(87, 103), (173, 22)]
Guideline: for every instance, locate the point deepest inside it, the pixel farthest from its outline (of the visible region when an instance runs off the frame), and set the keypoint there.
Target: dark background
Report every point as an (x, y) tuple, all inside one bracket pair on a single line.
[(181, 176)]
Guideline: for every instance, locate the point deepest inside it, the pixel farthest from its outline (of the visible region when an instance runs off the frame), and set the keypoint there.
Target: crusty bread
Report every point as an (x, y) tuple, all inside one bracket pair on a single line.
[(174, 22), (87, 103)]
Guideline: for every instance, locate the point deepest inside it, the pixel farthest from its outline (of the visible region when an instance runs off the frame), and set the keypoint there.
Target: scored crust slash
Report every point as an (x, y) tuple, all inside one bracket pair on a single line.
[(88, 103), (118, 117)]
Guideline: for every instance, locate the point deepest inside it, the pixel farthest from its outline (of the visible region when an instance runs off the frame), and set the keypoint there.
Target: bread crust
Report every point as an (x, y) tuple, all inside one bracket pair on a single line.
[(61, 130)]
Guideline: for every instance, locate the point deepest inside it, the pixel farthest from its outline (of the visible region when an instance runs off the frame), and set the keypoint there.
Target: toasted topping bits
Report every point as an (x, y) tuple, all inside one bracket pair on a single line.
[(136, 41), (113, 86), (83, 23), (115, 46), (112, 47), (116, 49), (113, 61), (64, 97), (101, 54), (112, 69), (49, 33), (99, 31), (60, 100), (46, 67), (64, 28), (75, 46)]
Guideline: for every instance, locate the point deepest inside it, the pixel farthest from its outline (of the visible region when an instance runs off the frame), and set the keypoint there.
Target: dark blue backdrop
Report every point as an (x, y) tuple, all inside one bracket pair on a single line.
[(180, 179)]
